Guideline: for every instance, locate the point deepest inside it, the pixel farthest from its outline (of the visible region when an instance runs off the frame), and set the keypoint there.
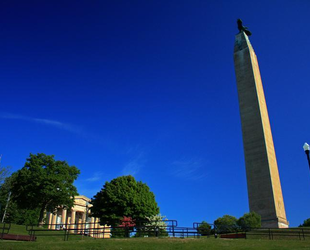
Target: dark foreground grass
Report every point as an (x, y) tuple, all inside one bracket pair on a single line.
[(78, 242), (153, 243)]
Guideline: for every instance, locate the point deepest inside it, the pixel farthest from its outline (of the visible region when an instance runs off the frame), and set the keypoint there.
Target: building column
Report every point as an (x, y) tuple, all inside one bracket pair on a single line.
[(50, 215), (84, 225), (99, 230), (80, 225), (107, 232), (54, 218), (92, 225), (102, 231), (72, 226), (64, 216), (83, 218), (96, 228)]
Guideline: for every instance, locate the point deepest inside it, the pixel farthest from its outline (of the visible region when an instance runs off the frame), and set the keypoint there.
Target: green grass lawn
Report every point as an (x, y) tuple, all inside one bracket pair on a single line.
[(79, 242), (153, 243)]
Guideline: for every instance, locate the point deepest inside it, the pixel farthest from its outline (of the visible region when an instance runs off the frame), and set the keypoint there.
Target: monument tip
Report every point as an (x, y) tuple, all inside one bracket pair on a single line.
[(242, 28)]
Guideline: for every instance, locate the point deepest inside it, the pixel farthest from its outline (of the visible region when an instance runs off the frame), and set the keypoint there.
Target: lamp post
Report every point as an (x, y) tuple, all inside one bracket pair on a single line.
[(307, 149)]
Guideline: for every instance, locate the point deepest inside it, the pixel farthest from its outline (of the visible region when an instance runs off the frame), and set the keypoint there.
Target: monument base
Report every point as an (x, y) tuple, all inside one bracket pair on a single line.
[(275, 223)]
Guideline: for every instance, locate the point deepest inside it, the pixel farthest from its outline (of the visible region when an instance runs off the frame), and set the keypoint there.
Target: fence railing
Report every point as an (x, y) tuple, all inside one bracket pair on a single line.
[(83, 229), (273, 233), (4, 229), (169, 229)]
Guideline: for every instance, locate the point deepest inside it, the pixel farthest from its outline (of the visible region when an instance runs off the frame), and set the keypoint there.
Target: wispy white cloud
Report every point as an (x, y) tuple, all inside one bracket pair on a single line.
[(53, 123), (188, 169), (74, 129), (134, 166), (91, 185), (97, 176), (131, 168), (87, 190)]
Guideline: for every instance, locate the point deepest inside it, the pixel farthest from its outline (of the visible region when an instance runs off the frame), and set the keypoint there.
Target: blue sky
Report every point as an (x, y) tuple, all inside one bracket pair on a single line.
[(148, 88)]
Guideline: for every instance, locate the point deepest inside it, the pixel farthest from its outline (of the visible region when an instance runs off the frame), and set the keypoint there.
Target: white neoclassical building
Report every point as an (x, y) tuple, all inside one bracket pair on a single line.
[(77, 219)]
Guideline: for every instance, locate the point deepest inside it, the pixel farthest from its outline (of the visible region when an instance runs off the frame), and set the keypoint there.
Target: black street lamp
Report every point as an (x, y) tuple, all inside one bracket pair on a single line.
[(307, 149)]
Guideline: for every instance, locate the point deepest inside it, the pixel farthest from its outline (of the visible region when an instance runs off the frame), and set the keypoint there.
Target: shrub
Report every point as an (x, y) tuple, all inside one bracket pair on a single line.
[(306, 223), (204, 229), (249, 220), (226, 224)]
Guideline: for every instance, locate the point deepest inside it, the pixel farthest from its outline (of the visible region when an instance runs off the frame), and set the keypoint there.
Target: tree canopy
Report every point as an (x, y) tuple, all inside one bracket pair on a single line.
[(4, 173), (44, 183), (204, 228), (306, 223), (226, 224), (249, 220), (154, 225), (13, 213), (124, 196)]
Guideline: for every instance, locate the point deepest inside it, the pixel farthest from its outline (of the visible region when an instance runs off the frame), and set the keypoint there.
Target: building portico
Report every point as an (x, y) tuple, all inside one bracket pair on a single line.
[(77, 219)]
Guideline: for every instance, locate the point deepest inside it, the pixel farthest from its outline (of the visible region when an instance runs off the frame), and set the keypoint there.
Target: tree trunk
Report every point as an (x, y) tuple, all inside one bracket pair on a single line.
[(41, 218)]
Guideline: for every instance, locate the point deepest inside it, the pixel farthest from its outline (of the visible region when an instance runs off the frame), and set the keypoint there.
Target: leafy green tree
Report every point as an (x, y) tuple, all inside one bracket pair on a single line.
[(44, 184), (306, 223), (118, 232), (14, 214), (249, 220), (226, 224), (154, 225), (124, 196), (4, 173), (204, 228), (4, 195)]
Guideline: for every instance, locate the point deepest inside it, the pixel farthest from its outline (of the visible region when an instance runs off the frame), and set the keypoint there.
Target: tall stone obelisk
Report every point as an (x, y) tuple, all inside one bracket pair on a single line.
[(264, 187)]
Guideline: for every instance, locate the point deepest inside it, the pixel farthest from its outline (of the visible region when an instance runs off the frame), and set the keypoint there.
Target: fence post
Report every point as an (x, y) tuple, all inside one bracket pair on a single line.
[(303, 233), (269, 234), (214, 228), (67, 233), (2, 231)]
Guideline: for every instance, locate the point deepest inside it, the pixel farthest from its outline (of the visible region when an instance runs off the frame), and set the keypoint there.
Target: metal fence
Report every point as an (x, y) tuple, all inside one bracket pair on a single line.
[(82, 229), (279, 233), (168, 228), (4, 229)]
